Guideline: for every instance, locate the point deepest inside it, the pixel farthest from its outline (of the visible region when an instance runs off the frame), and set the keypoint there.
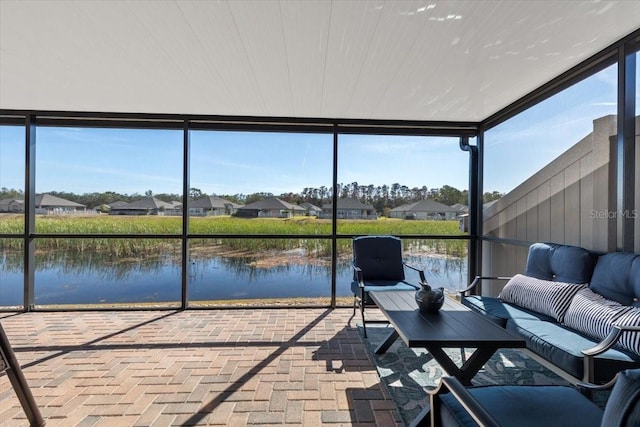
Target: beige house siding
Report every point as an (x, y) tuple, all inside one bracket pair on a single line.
[(571, 201)]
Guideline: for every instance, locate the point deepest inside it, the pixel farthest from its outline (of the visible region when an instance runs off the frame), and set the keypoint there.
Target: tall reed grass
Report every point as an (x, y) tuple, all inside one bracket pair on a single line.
[(150, 225)]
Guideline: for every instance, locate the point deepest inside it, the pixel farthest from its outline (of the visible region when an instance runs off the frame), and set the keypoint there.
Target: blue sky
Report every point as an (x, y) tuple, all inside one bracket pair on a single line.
[(130, 161), (134, 161)]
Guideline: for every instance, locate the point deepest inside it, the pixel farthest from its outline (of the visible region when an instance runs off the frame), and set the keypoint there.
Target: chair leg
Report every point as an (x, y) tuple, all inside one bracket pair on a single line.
[(362, 304), (358, 304), (364, 326)]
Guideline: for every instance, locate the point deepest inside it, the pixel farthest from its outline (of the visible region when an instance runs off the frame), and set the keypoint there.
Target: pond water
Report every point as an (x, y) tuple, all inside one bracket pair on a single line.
[(60, 279)]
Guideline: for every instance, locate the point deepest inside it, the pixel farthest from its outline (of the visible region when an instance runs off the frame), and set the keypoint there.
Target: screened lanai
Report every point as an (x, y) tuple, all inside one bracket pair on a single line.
[(353, 108), (133, 134)]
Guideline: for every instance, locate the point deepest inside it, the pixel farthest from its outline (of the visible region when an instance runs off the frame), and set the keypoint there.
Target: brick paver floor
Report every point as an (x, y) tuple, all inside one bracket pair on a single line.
[(239, 367)]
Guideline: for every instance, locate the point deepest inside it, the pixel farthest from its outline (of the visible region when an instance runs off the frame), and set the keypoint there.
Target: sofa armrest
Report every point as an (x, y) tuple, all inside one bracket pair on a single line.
[(477, 280), (462, 395), (589, 387), (608, 342)]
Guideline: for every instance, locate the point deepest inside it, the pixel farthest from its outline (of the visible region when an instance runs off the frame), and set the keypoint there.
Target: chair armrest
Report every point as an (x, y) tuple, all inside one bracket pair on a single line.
[(420, 271), (462, 395), (477, 280), (608, 342), (358, 274)]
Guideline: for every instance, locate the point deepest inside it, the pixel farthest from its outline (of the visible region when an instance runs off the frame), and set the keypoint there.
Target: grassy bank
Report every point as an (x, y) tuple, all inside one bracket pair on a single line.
[(146, 225)]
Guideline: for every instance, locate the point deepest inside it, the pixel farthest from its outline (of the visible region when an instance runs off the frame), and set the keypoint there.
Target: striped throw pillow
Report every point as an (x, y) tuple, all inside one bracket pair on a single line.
[(630, 340), (592, 314), (542, 296)]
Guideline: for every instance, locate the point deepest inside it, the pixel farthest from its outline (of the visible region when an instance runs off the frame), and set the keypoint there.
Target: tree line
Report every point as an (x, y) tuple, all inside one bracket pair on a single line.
[(381, 197)]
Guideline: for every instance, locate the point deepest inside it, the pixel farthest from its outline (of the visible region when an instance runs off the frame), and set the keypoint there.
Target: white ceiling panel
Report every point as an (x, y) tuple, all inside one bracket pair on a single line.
[(407, 60)]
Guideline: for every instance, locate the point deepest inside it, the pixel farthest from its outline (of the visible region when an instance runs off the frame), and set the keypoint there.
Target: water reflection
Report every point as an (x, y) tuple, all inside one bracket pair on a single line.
[(94, 278)]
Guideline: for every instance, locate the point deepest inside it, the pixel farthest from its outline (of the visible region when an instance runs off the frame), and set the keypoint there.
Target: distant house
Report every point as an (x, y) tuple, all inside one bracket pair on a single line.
[(462, 209), (271, 207), (144, 206), (425, 209), (11, 205), (106, 207), (117, 204), (48, 204), (312, 210), (350, 208), (212, 206), (44, 204), (174, 208)]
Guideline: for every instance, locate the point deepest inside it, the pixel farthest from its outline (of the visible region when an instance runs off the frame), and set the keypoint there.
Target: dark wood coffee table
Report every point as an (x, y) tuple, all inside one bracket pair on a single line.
[(454, 326)]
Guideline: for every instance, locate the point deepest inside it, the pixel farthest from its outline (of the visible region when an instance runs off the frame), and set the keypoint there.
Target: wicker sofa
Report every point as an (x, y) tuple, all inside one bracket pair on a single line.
[(575, 308)]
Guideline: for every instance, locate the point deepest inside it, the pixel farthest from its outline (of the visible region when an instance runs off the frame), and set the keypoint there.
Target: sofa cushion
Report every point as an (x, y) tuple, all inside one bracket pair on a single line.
[(539, 261), (513, 405), (630, 340), (562, 263), (563, 347), (572, 264), (499, 311), (617, 277), (623, 406), (592, 314), (635, 282), (543, 296)]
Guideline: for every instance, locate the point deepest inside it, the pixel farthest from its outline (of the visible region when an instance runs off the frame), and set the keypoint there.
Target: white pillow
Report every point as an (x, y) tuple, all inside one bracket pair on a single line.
[(630, 340), (592, 314), (542, 296)]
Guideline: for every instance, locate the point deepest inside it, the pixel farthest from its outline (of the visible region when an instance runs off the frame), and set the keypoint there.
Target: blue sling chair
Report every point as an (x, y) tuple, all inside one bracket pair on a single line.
[(378, 266)]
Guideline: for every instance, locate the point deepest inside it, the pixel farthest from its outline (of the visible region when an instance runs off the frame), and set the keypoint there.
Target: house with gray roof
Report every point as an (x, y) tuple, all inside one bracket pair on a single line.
[(462, 209), (117, 204), (48, 204), (145, 206), (312, 210), (174, 208), (44, 204), (11, 205), (350, 208), (212, 206), (106, 207), (271, 207), (425, 209)]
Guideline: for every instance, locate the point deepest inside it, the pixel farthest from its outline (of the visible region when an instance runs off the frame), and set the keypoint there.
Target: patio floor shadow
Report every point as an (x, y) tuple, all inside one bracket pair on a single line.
[(178, 368)]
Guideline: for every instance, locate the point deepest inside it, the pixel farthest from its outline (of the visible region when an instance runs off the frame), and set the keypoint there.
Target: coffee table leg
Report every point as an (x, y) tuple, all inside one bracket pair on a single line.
[(393, 335), (469, 369), (445, 361), (474, 363)]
